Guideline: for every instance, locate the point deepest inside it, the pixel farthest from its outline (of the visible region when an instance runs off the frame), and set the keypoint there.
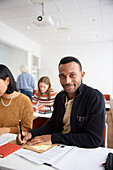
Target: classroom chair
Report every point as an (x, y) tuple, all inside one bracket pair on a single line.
[(105, 136)]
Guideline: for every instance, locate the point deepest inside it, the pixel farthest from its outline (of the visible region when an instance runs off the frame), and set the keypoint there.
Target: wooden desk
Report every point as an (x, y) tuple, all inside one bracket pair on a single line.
[(40, 119)]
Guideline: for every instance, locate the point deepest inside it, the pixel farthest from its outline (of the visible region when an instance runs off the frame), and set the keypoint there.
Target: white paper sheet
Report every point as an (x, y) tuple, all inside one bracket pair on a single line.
[(48, 115), (49, 156), (7, 137), (79, 158)]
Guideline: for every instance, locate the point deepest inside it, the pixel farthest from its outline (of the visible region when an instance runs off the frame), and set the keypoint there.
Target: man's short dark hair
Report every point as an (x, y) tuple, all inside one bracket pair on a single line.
[(4, 73), (69, 59)]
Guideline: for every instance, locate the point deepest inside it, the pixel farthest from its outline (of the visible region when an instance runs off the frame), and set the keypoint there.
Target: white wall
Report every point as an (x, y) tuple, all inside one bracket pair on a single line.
[(15, 39), (18, 50), (13, 58), (96, 59)]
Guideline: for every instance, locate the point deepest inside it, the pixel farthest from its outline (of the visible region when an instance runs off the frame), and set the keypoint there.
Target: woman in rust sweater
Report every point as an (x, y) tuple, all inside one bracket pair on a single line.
[(13, 105)]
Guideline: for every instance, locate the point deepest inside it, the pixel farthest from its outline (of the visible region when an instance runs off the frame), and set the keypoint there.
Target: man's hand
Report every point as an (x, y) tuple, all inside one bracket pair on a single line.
[(40, 140), (26, 137)]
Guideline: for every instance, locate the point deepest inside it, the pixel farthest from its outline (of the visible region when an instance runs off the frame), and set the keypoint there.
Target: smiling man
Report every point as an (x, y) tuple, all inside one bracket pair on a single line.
[(79, 112)]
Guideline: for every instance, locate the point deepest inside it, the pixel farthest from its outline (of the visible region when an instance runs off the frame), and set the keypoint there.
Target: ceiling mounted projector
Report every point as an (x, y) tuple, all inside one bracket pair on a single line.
[(44, 20)]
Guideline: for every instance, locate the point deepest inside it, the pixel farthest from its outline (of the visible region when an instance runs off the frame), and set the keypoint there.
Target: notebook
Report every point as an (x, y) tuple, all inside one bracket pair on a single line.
[(8, 148), (36, 148)]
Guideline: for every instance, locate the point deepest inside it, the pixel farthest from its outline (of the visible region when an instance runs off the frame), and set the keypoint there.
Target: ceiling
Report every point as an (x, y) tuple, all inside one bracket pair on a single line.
[(74, 20)]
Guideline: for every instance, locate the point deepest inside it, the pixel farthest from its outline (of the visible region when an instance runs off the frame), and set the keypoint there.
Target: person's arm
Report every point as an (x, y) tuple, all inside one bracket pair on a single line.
[(35, 98), (49, 103), (26, 137), (26, 116), (32, 83), (4, 130)]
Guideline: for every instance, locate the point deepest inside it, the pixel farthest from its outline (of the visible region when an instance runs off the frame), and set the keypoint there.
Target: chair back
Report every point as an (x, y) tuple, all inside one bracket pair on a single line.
[(34, 91), (107, 97), (105, 136)]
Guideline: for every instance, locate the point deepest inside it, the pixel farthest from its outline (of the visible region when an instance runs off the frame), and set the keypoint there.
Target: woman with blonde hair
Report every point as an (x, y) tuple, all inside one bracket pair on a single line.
[(44, 96), (25, 82)]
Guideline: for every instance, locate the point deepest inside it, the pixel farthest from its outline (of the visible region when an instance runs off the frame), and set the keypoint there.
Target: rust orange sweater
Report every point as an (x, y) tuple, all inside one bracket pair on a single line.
[(20, 108)]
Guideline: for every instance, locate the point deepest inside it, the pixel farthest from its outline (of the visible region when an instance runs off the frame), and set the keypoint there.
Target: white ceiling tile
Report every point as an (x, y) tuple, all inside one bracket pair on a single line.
[(106, 2), (108, 9), (75, 15), (88, 3), (108, 37), (94, 26), (90, 12), (64, 5), (6, 4), (92, 20), (79, 28), (75, 21), (107, 18), (29, 10), (9, 13), (71, 14), (108, 26), (50, 8)]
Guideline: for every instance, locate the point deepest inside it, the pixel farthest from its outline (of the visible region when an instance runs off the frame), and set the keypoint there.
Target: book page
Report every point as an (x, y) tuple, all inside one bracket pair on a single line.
[(7, 137), (49, 156)]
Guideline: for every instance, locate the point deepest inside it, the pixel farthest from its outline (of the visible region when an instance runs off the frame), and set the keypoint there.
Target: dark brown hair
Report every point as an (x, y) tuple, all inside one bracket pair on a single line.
[(4, 73)]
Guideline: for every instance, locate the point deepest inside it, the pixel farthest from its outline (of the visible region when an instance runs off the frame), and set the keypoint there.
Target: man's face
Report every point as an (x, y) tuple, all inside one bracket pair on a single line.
[(70, 77)]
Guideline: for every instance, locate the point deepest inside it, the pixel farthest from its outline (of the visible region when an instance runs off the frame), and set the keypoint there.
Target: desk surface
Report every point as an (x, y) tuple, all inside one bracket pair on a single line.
[(16, 162), (78, 158), (107, 105), (47, 115)]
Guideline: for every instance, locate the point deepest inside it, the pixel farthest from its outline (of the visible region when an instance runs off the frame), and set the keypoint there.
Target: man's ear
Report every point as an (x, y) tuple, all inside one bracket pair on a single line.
[(82, 75)]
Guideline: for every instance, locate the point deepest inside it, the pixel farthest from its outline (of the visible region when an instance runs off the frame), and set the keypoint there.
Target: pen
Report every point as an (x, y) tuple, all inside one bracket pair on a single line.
[(50, 165), (20, 129)]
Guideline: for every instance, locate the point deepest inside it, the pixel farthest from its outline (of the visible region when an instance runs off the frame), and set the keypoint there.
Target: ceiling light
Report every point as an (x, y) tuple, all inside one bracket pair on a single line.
[(58, 24), (69, 38), (93, 20), (96, 36), (65, 29), (28, 27)]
